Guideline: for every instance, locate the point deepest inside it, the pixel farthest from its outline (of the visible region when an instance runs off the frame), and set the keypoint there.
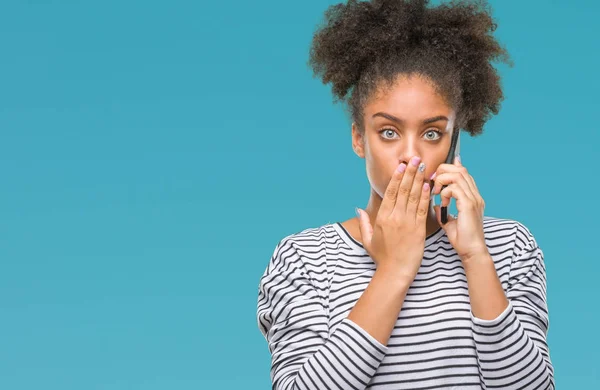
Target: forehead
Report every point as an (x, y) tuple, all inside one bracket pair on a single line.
[(408, 97)]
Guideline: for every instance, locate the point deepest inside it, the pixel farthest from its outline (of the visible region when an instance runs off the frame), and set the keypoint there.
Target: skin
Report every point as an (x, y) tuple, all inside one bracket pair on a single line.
[(413, 99)]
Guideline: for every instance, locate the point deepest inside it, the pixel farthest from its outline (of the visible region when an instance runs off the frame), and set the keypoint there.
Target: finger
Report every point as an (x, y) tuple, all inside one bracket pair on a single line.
[(414, 198), (453, 178), (445, 168), (406, 185), (365, 228), (391, 192), (473, 190), (458, 193), (473, 186), (471, 183), (438, 214), (423, 208), (467, 176)]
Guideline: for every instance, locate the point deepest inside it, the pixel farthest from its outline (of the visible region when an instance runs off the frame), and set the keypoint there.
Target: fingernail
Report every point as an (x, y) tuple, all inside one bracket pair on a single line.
[(422, 167), (458, 158), (433, 176), (401, 167), (357, 212), (415, 160)]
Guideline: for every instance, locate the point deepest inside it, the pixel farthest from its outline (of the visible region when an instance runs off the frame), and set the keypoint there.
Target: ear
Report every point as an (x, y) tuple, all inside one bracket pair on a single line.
[(358, 142)]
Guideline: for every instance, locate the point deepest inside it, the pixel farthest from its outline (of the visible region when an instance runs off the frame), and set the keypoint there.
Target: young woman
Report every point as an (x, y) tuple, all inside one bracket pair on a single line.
[(394, 299)]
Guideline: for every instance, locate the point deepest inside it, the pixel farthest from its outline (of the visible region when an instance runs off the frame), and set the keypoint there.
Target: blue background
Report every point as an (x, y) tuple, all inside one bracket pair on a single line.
[(154, 153)]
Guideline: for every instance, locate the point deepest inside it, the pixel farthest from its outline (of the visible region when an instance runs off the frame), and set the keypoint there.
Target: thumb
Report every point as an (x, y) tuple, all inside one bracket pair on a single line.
[(366, 230)]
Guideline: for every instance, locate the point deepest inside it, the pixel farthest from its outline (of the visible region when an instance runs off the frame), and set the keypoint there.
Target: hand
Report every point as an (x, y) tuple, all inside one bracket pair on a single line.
[(465, 232), (397, 241)]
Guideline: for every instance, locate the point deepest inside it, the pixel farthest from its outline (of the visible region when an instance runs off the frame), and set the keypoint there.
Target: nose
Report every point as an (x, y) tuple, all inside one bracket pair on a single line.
[(408, 151)]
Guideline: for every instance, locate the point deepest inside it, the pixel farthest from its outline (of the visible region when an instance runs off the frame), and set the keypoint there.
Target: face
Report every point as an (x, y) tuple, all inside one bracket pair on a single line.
[(406, 120)]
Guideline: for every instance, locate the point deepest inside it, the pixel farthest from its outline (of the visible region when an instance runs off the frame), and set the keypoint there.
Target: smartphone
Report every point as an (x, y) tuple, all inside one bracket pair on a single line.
[(454, 151)]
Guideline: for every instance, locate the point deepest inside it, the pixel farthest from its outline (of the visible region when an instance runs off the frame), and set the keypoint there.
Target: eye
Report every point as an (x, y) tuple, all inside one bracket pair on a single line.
[(389, 131), (433, 135)]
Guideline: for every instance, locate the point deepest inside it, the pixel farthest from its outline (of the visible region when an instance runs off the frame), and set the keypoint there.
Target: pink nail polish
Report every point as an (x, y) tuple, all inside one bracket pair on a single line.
[(401, 167), (415, 161), (433, 176)]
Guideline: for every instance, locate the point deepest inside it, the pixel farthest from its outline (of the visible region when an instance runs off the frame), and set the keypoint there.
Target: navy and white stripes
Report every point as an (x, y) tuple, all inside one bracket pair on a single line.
[(315, 277)]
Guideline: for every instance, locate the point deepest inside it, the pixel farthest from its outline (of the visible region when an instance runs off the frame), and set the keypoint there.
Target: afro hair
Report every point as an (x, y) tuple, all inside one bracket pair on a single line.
[(364, 43)]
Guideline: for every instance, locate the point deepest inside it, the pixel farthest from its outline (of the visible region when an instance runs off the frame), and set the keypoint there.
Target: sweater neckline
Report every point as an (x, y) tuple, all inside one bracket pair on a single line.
[(353, 243)]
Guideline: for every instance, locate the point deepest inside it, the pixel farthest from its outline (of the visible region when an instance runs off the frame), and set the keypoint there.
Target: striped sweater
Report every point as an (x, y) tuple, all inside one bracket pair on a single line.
[(315, 277)]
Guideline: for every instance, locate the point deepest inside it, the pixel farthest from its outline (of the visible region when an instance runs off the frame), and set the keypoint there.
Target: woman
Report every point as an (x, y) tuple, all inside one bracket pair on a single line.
[(394, 299)]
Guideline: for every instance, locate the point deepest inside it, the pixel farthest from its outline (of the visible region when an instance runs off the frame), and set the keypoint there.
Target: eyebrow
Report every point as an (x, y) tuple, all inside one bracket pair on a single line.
[(400, 121)]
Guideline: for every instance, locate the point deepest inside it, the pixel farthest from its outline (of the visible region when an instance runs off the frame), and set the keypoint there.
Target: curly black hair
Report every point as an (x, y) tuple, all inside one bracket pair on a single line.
[(364, 43)]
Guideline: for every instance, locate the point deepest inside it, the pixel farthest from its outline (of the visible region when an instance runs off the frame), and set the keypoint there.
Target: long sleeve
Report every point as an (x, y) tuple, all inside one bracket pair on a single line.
[(293, 318), (512, 348)]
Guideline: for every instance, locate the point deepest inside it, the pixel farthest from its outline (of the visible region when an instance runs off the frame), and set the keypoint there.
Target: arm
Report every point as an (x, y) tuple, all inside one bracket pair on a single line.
[(293, 318), (378, 308), (510, 330)]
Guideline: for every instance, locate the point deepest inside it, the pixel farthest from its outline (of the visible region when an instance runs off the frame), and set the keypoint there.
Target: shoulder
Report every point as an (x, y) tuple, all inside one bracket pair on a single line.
[(505, 230), (513, 248), (295, 250), (512, 245)]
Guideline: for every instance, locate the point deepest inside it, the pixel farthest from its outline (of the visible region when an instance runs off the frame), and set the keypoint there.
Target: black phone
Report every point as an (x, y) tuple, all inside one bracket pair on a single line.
[(454, 150)]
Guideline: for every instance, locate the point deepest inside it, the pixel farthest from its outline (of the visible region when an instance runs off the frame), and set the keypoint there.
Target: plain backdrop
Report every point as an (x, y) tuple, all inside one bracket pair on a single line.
[(153, 153)]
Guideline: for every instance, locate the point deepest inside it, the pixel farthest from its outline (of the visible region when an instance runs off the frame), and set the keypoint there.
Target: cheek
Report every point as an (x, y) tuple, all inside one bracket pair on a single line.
[(377, 182), (436, 159), (379, 172)]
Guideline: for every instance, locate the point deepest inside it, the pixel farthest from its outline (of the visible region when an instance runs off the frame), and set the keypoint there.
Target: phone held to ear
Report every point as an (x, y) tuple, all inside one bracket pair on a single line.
[(454, 150)]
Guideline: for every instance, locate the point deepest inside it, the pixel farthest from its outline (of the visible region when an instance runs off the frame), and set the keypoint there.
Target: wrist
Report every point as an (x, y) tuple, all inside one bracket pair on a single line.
[(394, 276), (474, 260)]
